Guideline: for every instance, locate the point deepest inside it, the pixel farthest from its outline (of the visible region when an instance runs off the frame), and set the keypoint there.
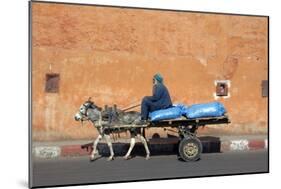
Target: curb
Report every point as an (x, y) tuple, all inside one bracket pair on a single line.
[(157, 147), (244, 145)]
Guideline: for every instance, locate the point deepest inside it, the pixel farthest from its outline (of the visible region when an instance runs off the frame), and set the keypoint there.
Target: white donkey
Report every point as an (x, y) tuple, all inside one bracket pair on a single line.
[(89, 111)]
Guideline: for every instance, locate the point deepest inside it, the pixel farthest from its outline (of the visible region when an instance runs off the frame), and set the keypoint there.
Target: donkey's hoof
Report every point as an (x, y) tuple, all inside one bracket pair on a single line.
[(92, 158), (127, 157), (110, 158)]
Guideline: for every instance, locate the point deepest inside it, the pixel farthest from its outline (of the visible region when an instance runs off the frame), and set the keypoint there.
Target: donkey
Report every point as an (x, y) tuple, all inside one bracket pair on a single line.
[(89, 111)]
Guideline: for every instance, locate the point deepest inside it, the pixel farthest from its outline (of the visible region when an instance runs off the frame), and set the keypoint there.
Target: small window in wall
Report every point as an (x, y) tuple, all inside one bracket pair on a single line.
[(222, 88), (52, 83), (264, 88)]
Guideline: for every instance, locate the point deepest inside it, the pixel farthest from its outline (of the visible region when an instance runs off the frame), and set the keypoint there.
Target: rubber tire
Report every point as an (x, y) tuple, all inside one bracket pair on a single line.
[(186, 141)]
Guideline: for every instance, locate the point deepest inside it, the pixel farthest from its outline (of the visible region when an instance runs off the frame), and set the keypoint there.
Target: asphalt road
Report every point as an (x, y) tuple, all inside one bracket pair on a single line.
[(78, 170)]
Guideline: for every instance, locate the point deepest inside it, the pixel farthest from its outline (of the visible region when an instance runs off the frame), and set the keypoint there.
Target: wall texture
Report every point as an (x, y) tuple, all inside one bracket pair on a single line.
[(111, 55)]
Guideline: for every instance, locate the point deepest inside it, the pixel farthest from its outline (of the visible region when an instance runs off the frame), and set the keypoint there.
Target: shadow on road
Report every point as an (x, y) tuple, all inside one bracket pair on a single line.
[(157, 146)]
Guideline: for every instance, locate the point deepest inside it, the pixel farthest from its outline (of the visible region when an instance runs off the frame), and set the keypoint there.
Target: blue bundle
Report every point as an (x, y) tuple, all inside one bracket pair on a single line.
[(169, 113), (213, 109)]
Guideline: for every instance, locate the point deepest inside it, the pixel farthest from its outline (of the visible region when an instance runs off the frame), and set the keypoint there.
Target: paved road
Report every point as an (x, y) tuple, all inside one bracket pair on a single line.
[(77, 170)]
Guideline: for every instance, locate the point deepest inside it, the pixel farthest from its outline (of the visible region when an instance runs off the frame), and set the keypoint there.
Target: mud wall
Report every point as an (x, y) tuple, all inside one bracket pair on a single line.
[(111, 55)]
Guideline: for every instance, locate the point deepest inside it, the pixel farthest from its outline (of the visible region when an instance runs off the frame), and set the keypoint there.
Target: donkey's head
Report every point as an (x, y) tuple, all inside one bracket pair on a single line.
[(88, 111)]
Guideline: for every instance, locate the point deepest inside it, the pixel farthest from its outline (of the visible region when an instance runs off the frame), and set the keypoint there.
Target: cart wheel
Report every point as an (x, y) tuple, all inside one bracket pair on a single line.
[(190, 149)]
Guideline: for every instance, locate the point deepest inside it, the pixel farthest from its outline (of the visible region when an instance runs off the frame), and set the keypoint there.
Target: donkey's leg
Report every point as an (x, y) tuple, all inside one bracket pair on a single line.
[(108, 141), (132, 144), (144, 142), (95, 146)]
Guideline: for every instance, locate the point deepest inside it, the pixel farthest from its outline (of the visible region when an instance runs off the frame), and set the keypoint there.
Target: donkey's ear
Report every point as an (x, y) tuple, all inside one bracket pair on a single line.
[(90, 101)]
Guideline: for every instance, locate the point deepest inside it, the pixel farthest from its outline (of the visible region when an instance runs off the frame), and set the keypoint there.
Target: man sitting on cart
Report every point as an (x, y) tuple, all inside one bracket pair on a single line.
[(159, 100)]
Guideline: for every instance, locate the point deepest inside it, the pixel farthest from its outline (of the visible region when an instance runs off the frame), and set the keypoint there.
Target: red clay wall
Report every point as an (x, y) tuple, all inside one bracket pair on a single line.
[(111, 54)]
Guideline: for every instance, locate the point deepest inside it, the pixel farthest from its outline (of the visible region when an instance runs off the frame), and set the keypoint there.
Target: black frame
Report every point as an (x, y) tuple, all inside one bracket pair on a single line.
[(30, 173)]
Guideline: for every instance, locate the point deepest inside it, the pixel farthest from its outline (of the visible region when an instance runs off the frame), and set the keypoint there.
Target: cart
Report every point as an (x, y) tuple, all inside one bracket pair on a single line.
[(190, 147)]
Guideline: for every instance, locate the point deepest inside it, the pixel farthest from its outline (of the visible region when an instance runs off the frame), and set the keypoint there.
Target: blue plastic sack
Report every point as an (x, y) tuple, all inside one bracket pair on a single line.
[(169, 113), (213, 109), (182, 107)]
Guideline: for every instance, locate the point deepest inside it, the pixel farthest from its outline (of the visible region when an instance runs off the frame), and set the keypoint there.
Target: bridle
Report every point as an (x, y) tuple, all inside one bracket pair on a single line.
[(86, 105), (84, 114)]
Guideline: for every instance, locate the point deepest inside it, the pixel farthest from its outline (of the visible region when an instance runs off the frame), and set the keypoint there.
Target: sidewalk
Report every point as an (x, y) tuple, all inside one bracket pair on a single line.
[(159, 146)]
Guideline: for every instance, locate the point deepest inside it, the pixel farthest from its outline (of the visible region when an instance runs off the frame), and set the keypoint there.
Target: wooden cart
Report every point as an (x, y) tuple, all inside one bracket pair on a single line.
[(190, 147)]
